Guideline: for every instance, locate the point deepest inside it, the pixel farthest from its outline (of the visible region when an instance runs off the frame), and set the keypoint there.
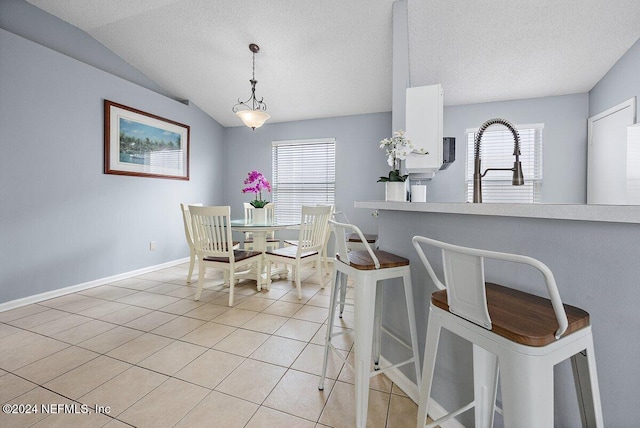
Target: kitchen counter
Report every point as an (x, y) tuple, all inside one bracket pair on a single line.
[(601, 213), (591, 249)]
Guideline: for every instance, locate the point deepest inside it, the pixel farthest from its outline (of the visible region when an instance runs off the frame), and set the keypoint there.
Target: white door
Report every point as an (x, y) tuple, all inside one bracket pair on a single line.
[(633, 165), (607, 154)]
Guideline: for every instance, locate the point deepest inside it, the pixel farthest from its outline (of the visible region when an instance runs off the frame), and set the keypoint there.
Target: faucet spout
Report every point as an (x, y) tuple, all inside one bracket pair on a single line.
[(518, 177)]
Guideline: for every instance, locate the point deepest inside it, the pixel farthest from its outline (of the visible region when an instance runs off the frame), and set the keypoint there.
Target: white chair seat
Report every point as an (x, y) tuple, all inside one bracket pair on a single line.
[(238, 255), (290, 253)]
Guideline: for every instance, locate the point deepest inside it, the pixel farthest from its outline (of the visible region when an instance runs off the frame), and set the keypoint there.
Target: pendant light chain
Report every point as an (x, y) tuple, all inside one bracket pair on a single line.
[(252, 114)]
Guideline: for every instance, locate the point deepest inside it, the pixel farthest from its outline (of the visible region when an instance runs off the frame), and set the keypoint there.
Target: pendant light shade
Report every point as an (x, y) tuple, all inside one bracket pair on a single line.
[(253, 118), (252, 112)]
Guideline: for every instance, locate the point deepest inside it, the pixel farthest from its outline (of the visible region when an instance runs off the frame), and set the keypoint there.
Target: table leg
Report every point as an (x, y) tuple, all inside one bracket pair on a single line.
[(260, 244)]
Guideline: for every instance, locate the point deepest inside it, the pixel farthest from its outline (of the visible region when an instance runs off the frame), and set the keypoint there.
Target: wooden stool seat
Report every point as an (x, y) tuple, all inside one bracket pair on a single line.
[(522, 317), (369, 237), (361, 260)]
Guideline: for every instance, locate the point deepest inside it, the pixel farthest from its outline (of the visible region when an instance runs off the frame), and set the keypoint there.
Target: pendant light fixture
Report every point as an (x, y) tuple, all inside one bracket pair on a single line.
[(252, 112)]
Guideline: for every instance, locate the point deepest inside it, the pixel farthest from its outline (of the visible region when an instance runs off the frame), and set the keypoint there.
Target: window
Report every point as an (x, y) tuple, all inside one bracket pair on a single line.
[(497, 152), (304, 173)]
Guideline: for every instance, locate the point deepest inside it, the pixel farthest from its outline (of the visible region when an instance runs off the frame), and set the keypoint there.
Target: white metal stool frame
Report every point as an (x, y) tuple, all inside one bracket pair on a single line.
[(526, 371), (367, 307), (341, 217)]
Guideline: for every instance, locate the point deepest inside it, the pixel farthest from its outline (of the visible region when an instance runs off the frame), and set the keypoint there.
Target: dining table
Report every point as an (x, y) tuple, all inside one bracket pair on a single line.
[(260, 230)]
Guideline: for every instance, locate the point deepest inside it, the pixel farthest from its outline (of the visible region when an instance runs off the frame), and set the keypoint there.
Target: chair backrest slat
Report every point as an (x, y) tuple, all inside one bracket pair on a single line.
[(465, 283)]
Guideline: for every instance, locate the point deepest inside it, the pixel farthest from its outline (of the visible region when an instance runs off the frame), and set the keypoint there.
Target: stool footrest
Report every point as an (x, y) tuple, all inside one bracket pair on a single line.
[(397, 339), (450, 415), (339, 355), (386, 369), (340, 333), (346, 304)]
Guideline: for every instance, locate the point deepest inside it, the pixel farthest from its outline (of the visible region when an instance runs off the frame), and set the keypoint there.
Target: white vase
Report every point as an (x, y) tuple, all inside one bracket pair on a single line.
[(395, 191), (259, 215)]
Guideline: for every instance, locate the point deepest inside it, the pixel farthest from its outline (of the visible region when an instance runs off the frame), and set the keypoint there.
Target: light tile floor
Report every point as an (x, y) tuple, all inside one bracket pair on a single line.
[(144, 348)]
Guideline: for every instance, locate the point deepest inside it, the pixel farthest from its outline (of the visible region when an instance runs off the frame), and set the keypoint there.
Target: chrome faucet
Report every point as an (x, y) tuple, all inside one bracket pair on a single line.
[(518, 178)]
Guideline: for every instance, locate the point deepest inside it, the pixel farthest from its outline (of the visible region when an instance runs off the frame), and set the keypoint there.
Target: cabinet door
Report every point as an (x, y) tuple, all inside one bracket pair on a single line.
[(633, 165), (607, 154), (424, 127)]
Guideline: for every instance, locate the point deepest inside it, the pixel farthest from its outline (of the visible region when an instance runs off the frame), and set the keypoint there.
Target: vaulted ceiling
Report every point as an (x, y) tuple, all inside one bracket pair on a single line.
[(334, 57)]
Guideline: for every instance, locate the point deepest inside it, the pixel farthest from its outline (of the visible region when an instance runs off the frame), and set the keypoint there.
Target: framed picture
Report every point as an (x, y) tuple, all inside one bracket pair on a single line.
[(145, 145)]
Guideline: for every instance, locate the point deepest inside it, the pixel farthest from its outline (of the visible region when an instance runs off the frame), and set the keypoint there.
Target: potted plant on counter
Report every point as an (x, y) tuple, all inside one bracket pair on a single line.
[(397, 149)]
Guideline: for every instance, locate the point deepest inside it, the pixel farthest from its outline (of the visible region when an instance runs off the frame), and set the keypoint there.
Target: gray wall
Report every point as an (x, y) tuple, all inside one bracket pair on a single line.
[(30, 22), (359, 160), (595, 265), (619, 84), (62, 221), (564, 145)]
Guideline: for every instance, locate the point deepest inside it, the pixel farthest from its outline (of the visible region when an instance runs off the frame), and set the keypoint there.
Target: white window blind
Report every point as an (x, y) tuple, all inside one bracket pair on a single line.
[(304, 173), (496, 151)]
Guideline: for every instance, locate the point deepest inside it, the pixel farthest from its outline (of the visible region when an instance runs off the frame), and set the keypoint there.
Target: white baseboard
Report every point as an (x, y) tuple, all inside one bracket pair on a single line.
[(411, 389), (12, 304)]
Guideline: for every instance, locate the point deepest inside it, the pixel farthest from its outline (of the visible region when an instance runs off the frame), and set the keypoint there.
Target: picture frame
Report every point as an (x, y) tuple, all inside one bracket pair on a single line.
[(142, 144)]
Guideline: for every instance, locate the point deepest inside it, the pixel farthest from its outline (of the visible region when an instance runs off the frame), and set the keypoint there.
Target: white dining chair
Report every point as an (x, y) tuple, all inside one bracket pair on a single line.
[(517, 338), (311, 239), (186, 219), (323, 255), (214, 245)]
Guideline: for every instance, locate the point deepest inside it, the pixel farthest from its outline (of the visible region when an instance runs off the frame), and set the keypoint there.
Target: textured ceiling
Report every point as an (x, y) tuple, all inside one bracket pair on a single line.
[(333, 57), (503, 49)]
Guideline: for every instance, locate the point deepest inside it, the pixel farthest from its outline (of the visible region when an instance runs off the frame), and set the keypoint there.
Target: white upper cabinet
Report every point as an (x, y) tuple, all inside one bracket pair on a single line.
[(424, 128), (612, 156)]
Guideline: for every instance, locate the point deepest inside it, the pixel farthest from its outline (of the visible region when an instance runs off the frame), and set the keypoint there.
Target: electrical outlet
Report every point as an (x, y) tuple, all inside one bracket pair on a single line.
[(153, 245)]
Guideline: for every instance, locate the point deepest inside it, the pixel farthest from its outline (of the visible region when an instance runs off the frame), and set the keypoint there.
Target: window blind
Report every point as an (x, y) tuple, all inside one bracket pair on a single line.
[(304, 173), (496, 151)]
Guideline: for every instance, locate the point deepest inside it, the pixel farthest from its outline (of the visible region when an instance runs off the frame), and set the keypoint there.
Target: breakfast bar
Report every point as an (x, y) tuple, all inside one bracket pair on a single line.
[(593, 253)]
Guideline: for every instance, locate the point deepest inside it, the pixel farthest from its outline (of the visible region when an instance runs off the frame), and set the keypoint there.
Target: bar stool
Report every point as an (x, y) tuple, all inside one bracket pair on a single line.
[(517, 334), (367, 268), (354, 241)]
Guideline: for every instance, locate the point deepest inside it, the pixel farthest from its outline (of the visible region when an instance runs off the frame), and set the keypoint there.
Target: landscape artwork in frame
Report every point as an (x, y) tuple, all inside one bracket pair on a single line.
[(145, 145)]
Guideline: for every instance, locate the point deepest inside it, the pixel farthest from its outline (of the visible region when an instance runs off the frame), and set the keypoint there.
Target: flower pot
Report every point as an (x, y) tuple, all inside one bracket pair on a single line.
[(259, 216), (395, 191)]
